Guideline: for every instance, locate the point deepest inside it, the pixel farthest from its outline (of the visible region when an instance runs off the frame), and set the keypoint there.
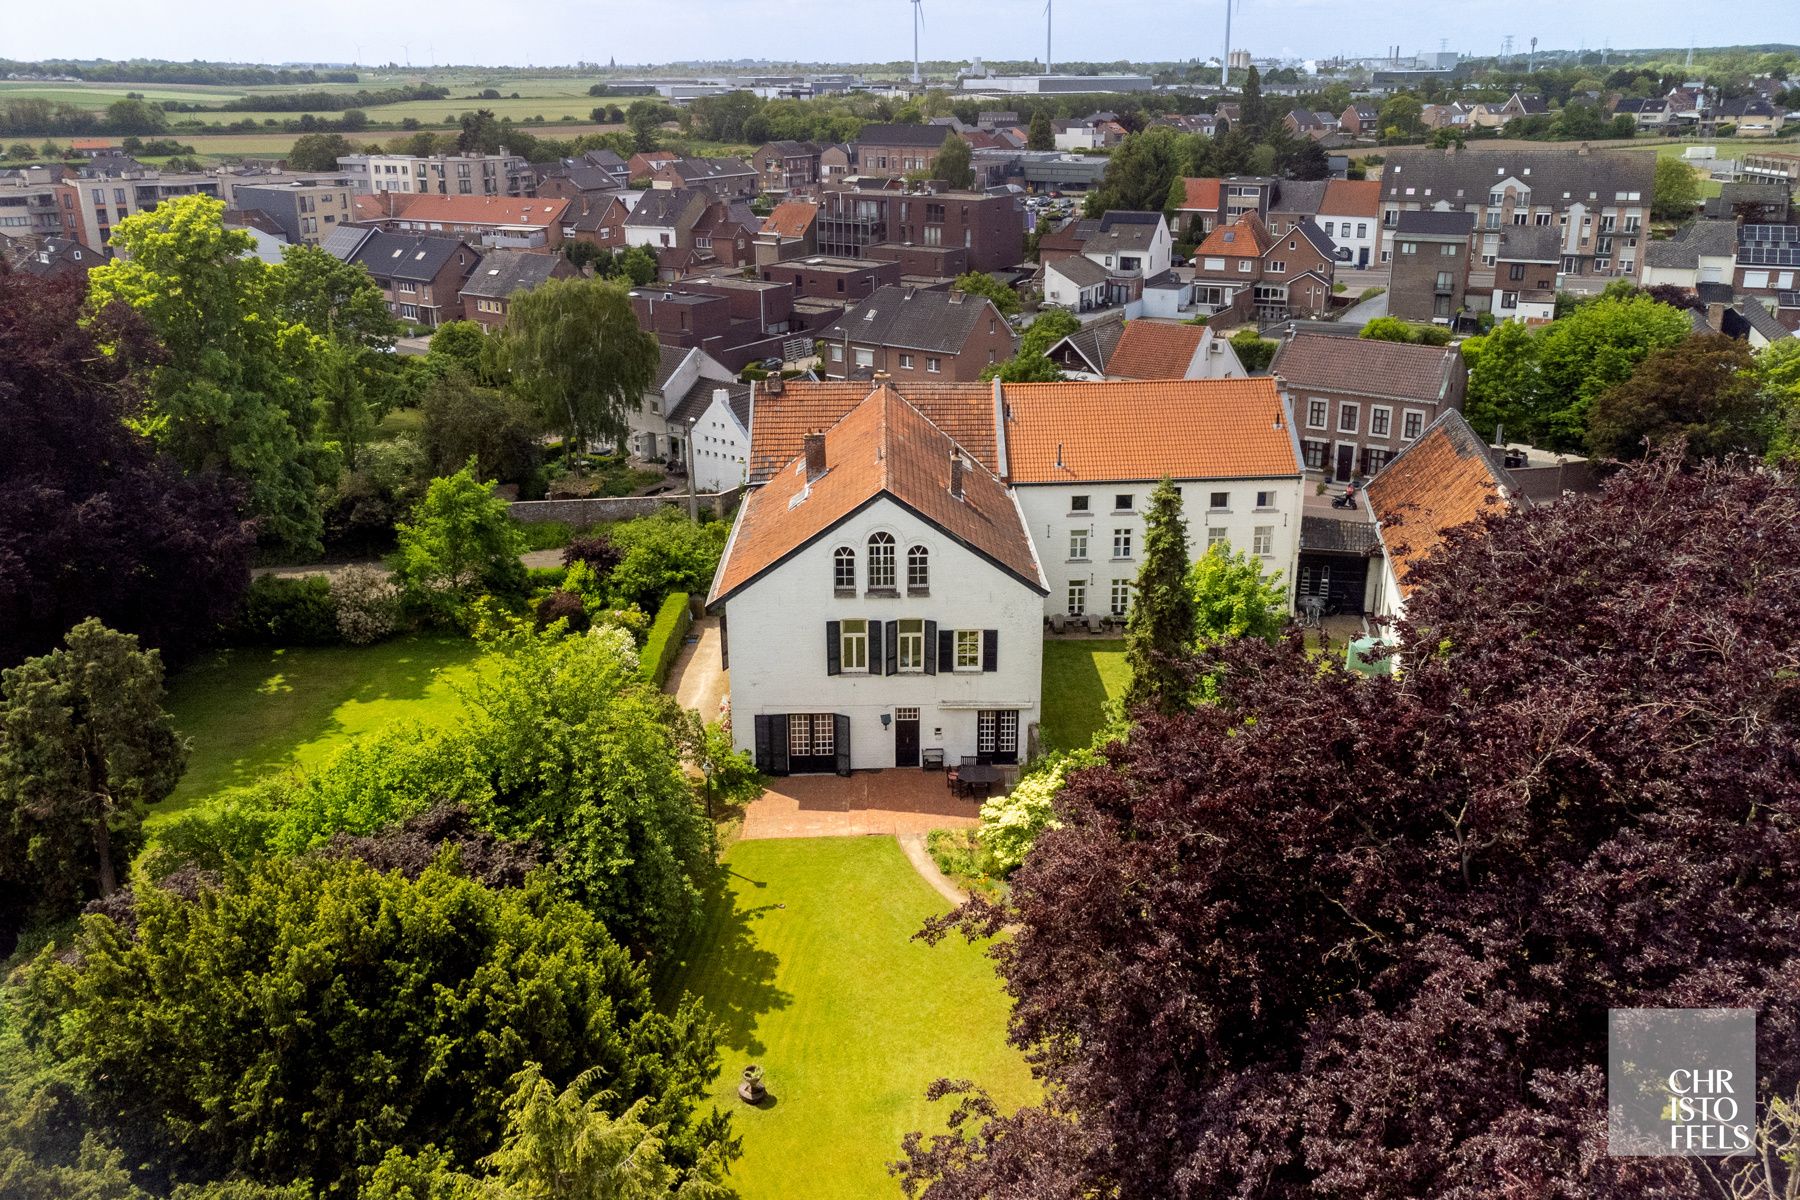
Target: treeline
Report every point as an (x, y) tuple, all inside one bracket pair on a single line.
[(151, 71), (328, 101)]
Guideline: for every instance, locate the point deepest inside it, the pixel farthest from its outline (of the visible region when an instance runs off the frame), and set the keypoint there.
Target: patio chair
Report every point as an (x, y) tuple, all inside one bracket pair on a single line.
[(953, 777), (1096, 623)]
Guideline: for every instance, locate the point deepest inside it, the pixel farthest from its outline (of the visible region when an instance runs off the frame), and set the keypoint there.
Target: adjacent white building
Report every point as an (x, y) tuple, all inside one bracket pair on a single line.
[(694, 397), (881, 599)]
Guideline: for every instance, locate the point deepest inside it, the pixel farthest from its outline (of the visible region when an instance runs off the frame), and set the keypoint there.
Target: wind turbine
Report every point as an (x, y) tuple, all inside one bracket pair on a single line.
[(1049, 65), (1225, 67), (918, 20)]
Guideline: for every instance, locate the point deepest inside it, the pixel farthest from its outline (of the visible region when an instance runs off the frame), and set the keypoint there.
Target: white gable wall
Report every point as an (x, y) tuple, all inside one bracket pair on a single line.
[(776, 639)]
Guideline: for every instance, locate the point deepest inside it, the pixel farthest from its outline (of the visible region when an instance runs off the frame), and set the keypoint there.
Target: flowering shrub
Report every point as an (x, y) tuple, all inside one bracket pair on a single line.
[(367, 603)]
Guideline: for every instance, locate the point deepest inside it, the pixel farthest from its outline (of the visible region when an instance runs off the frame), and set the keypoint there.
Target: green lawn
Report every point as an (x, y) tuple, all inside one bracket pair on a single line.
[(1080, 676), (250, 711), (808, 964)]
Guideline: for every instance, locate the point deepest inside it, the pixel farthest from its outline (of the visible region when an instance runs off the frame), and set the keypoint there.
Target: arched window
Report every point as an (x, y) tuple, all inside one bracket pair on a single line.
[(843, 569), (881, 560), (918, 569)]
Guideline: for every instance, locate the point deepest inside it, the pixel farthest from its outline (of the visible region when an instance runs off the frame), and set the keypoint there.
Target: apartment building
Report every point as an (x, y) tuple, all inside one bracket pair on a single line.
[(107, 190), (894, 150), (1599, 204), (989, 229), (307, 211), (499, 174), (1428, 279), (787, 166), (30, 205)]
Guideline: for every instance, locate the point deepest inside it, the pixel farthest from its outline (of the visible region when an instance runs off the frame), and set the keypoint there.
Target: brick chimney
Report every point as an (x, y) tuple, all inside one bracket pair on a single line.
[(956, 475), (815, 456)]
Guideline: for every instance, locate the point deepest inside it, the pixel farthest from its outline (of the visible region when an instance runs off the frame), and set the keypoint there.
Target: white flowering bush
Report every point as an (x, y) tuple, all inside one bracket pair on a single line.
[(1011, 824), (368, 604)]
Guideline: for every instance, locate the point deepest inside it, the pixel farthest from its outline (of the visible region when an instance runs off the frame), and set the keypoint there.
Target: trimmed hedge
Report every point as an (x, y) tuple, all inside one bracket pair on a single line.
[(664, 641), (287, 612)]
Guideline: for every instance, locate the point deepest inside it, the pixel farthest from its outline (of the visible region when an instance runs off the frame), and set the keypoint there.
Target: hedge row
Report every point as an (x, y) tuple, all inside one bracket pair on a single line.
[(665, 638)]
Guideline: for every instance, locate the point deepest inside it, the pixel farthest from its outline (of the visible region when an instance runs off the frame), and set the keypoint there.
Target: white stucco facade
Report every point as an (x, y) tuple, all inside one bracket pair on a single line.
[(720, 456), (650, 435), (1091, 545), (1359, 235), (780, 630)]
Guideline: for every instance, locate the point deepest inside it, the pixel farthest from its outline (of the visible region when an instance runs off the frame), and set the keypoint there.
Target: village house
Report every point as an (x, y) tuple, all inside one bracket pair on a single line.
[(1428, 279), (1446, 478), (788, 232), (1244, 269), (664, 219), (421, 278), (901, 570), (726, 178), (652, 434), (491, 222), (1304, 123), (786, 167), (1086, 353), (1598, 203), (1357, 402), (696, 414), (487, 296), (1360, 120), (599, 221), (574, 179), (1525, 275), (643, 166), (1350, 215), (911, 334), (1148, 349)]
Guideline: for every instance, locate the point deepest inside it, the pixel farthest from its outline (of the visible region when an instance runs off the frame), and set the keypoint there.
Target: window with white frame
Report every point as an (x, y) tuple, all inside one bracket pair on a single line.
[(909, 646), (1411, 425), (1277, 267), (1078, 598), (1349, 416), (843, 569), (906, 362), (918, 569), (934, 365), (1316, 414), (968, 650), (1263, 540), (1078, 545), (1265, 499), (881, 560), (1214, 535), (811, 735), (1121, 597), (1380, 421), (997, 733), (1121, 543), (853, 645)]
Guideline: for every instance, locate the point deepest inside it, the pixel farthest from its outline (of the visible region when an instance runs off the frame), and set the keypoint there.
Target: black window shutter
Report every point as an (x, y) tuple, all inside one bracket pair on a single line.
[(841, 727), (893, 647), (764, 750), (778, 744), (875, 656), (931, 654), (990, 649), (833, 646), (947, 650)]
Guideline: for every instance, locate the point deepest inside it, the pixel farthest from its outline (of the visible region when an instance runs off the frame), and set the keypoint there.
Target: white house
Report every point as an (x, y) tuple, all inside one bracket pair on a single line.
[(1149, 349), (881, 598), (685, 387), (1084, 457), (1075, 283), (1444, 479), (1131, 243)]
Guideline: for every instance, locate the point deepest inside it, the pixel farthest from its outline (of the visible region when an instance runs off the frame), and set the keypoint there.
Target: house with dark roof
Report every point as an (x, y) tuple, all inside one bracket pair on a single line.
[(1336, 555), (1357, 402), (907, 333), (664, 218), (1360, 120), (1085, 353), (1702, 251), (487, 295), (1305, 123), (895, 150), (421, 277), (599, 220), (882, 603), (1428, 278), (1525, 274), (726, 178), (57, 258), (1599, 204), (787, 166), (687, 376), (1445, 479)]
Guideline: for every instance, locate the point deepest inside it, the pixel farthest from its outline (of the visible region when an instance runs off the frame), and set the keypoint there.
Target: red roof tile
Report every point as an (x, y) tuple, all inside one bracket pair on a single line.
[(1352, 198), (1247, 237), (790, 219), (1443, 480), (485, 210), (1202, 194), (882, 446), (782, 420), (1155, 350)]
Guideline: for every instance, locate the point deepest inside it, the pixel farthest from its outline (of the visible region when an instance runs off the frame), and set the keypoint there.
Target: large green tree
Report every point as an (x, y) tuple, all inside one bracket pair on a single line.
[(1702, 390), (232, 389), (955, 164), (1677, 190), (1590, 350), (459, 544), (980, 283), (1041, 135), (318, 151), (575, 350), (1234, 598), (1159, 633), (84, 746), (305, 1016), (1140, 172), (464, 421)]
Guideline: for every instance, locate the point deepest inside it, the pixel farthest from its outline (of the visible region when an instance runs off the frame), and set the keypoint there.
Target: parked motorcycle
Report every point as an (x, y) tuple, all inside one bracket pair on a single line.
[(1347, 500)]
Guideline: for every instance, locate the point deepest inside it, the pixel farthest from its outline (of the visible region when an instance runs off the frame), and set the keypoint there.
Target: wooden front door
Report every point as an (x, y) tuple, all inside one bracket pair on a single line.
[(906, 737), (1346, 463)]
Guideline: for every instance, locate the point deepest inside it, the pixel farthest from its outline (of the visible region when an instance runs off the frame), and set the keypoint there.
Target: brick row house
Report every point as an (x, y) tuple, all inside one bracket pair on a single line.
[(787, 167), (1428, 278), (421, 277), (897, 150), (912, 334), (726, 178), (1598, 203), (492, 222), (1358, 402), (488, 294)]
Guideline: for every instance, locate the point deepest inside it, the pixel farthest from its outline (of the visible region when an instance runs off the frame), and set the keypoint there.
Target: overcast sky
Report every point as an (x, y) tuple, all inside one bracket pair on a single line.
[(555, 32)]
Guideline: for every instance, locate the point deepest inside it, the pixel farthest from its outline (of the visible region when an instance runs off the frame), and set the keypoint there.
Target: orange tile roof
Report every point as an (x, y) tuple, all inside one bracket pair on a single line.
[(1247, 237), (372, 206), (1444, 479), (1202, 194), (790, 219), (1352, 198), (485, 210), (882, 446), (780, 422), (1155, 350), (1190, 429)]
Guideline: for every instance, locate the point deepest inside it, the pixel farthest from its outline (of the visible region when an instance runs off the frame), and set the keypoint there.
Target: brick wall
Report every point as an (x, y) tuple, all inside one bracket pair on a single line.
[(595, 509)]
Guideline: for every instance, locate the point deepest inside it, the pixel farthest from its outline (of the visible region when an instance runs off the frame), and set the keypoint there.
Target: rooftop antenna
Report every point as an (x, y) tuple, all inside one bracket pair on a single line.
[(1049, 63), (918, 20)]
